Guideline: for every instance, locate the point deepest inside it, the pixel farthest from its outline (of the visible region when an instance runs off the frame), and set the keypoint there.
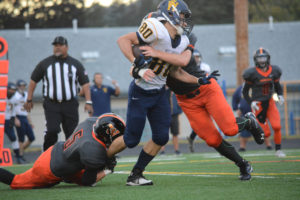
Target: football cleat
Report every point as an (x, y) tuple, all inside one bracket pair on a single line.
[(255, 129), (191, 144), (280, 154), (136, 178), (245, 171)]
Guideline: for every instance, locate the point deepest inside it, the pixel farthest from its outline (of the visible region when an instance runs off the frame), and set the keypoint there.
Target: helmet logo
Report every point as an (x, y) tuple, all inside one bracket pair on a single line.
[(172, 4), (112, 130)]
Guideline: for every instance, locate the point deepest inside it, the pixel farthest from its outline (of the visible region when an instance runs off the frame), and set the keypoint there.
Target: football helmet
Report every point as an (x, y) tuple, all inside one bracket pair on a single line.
[(108, 127), (178, 14), (261, 58), (21, 82), (11, 89)]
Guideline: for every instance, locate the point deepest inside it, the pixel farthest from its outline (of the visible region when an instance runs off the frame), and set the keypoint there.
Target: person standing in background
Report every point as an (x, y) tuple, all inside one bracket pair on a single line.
[(264, 79), (61, 75), (26, 126), (100, 94), (11, 121)]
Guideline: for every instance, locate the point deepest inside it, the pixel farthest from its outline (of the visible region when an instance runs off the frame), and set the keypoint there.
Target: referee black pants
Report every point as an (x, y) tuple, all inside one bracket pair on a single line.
[(59, 113)]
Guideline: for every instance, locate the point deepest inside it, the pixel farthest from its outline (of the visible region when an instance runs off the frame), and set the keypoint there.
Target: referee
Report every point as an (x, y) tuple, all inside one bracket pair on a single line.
[(61, 75)]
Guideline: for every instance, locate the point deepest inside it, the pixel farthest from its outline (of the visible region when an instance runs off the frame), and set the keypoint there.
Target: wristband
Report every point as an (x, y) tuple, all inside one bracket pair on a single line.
[(29, 100), (89, 102)]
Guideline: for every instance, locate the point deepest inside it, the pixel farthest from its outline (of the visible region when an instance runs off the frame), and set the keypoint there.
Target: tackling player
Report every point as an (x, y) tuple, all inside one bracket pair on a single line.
[(81, 159), (163, 30), (204, 102), (263, 79)]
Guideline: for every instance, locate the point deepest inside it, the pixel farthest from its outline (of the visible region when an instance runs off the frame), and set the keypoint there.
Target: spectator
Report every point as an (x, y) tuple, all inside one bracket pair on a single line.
[(26, 126), (61, 74), (240, 105), (100, 95)]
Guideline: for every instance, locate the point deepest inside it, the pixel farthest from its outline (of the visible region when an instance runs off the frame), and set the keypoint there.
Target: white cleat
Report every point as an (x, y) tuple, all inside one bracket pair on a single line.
[(280, 154)]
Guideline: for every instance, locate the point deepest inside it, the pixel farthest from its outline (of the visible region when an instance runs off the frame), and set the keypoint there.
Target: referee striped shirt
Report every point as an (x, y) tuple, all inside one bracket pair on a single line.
[(60, 76)]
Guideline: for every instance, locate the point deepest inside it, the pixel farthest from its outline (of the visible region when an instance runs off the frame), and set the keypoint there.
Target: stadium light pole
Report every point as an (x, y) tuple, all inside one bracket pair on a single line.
[(241, 33)]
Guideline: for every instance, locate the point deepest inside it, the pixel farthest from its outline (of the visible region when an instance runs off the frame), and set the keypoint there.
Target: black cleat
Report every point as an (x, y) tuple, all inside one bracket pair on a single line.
[(136, 178), (255, 129), (245, 171)]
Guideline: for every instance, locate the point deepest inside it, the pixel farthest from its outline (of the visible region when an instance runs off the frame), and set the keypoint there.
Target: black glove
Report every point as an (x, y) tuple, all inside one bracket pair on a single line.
[(111, 163), (11, 122), (205, 80)]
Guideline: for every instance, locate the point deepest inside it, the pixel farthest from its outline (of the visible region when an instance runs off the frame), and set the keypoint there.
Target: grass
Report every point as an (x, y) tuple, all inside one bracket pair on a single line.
[(190, 176)]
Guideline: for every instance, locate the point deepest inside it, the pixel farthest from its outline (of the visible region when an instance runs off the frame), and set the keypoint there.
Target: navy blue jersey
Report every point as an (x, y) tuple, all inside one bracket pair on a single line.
[(82, 150)]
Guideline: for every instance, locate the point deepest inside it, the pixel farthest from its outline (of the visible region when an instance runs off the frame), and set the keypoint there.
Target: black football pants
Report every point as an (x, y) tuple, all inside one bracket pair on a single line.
[(56, 114)]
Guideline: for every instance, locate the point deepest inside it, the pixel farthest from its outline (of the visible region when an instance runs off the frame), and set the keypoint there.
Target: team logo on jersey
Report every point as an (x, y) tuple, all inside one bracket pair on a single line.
[(172, 3), (104, 90)]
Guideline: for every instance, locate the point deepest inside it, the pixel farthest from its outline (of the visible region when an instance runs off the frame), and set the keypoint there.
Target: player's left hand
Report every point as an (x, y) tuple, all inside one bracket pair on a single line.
[(205, 80), (280, 100)]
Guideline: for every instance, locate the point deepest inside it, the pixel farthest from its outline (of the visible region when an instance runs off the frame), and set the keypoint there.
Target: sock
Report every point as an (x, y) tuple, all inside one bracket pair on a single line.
[(6, 176), (193, 135), (143, 160), (277, 147), (17, 153), (229, 152), (243, 123)]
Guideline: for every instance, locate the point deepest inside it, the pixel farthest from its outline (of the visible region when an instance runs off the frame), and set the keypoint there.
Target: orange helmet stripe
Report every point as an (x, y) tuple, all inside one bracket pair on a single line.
[(111, 115), (260, 50)]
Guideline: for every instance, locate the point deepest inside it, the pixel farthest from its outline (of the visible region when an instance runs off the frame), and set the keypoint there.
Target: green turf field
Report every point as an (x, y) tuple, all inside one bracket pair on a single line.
[(190, 176)]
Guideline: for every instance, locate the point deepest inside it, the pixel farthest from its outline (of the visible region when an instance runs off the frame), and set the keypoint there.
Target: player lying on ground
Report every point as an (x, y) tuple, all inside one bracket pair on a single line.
[(81, 159)]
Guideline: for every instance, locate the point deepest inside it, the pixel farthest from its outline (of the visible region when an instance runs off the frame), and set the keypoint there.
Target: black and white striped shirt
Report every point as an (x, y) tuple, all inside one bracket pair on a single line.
[(61, 77)]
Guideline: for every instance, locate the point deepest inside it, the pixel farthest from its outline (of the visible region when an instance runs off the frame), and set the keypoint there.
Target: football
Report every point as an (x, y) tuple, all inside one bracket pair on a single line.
[(136, 50)]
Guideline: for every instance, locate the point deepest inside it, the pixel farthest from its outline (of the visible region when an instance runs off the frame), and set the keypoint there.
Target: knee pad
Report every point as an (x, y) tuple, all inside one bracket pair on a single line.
[(161, 139), (214, 141), (130, 142)]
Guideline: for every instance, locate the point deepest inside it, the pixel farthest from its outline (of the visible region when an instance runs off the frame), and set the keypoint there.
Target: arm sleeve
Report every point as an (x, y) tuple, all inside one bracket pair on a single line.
[(38, 73), (81, 74), (246, 93), (278, 88), (236, 98), (89, 177)]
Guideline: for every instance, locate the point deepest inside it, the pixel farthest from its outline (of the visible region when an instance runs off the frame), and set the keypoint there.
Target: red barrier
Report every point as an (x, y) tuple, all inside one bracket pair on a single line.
[(5, 155)]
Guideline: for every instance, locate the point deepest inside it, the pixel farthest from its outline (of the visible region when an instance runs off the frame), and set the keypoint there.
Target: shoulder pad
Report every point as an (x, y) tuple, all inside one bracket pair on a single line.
[(248, 72), (276, 71), (148, 30)]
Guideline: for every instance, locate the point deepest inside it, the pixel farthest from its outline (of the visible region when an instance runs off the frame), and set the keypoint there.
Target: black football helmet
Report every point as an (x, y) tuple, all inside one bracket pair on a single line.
[(261, 58), (171, 11), (108, 127)]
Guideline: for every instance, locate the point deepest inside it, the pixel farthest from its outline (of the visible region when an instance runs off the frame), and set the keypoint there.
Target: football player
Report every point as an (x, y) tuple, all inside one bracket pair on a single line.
[(11, 121), (81, 159), (165, 30), (263, 79), (204, 102), (25, 128)]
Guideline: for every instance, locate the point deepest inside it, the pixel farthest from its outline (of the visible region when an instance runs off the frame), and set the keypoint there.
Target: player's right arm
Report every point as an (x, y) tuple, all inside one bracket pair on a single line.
[(125, 43)]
